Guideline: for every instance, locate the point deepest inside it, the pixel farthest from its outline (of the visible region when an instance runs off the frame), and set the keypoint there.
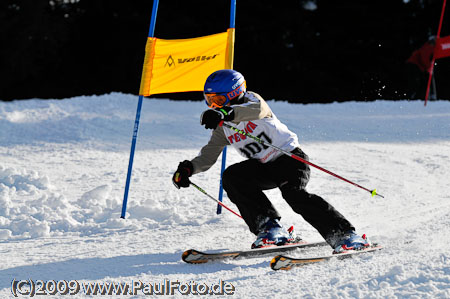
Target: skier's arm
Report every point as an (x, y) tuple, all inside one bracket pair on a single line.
[(254, 107), (209, 153)]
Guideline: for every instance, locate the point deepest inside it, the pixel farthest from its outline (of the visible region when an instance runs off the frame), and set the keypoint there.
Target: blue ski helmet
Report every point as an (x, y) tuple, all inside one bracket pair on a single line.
[(223, 86)]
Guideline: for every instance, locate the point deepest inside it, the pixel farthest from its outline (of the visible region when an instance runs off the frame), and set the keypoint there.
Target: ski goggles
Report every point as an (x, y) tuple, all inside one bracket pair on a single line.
[(216, 100)]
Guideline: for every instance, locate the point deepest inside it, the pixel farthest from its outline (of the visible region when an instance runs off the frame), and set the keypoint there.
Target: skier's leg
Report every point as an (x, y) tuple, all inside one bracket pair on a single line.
[(294, 177), (244, 183), (318, 212)]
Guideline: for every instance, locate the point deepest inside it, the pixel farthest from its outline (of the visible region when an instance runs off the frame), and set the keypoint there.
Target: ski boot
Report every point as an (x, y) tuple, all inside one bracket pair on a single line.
[(274, 234), (351, 241)]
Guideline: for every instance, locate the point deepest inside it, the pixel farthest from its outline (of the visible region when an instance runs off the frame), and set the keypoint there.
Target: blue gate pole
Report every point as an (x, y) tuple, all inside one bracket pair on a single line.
[(224, 161), (224, 152), (233, 14), (151, 32)]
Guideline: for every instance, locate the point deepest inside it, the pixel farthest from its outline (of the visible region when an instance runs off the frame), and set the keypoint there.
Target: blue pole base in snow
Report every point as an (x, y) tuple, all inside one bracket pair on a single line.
[(224, 160), (130, 163)]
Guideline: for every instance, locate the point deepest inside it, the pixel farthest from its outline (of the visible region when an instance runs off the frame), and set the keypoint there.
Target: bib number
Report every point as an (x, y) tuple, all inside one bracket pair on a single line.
[(253, 148)]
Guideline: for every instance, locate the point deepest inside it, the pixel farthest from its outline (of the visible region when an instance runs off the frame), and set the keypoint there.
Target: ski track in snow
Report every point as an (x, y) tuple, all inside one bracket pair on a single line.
[(62, 176)]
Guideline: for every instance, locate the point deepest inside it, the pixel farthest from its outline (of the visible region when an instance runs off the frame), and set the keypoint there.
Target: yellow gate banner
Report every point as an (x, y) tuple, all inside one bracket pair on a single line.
[(184, 64)]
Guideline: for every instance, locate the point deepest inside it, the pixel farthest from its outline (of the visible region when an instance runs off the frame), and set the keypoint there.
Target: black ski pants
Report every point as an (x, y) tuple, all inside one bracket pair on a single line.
[(244, 183)]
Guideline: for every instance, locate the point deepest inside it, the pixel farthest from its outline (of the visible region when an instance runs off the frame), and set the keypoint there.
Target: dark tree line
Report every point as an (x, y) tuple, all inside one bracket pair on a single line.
[(301, 51)]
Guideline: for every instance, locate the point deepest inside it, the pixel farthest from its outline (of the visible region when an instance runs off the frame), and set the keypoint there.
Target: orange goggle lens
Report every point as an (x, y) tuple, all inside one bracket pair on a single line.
[(214, 100)]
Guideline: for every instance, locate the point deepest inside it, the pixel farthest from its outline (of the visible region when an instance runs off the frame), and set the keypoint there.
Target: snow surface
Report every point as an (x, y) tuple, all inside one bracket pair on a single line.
[(62, 176)]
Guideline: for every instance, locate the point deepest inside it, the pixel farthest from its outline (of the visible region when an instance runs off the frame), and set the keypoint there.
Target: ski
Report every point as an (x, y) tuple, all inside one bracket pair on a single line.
[(193, 256), (282, 262)]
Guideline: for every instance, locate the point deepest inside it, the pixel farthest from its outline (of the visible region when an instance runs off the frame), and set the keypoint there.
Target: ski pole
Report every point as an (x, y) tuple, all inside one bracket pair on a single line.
[(259, 140), (216, 200)]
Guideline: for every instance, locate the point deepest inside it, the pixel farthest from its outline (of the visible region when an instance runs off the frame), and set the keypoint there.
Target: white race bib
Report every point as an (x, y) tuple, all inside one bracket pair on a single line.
[(270, 130)]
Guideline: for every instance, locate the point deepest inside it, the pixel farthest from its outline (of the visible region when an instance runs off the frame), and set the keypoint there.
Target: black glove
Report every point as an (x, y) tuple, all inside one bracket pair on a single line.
[(181, 176), (211, 118)]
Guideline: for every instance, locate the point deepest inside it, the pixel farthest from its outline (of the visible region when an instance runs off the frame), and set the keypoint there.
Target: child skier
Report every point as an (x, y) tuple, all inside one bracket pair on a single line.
[(225, 93)]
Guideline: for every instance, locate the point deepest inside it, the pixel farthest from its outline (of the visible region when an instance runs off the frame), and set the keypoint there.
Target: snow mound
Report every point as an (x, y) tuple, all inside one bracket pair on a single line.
[(32, 207)]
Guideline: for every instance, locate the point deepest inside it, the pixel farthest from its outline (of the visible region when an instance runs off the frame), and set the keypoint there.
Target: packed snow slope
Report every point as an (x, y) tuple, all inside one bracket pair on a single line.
[(63, 165)]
